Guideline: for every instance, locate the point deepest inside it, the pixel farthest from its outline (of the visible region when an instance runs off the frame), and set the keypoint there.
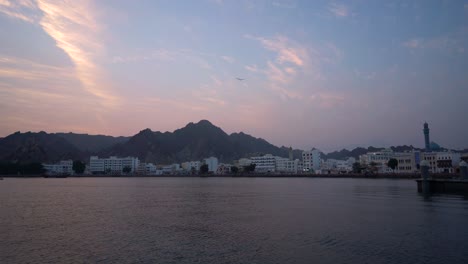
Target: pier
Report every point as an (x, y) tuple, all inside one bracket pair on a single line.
[(428, 185)]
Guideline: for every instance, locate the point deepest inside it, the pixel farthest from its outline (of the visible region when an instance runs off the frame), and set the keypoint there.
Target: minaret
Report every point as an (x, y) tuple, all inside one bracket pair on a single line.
[(426, 137)]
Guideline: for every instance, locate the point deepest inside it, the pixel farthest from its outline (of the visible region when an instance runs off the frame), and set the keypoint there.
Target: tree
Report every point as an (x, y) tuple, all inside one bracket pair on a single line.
[(234, 169), (392, 163), (78, 166), (204, 169), (357, 167), (250, 168), (126, 169)]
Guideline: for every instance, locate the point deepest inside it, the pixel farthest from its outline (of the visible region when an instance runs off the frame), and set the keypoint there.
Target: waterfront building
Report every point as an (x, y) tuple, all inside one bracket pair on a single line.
[(64, 167), (286, 165), (171, 169), (266, 163), (331, 166), (431, 158), (212, 163), (190, 166), (223, 169), (447, 161), (148, 169), (113, 164), (244, 162), (408, 162), (311, 160), (377, 161)]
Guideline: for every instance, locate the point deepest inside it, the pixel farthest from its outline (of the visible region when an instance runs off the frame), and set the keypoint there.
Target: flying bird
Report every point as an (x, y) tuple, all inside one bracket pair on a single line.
[(239, 79)]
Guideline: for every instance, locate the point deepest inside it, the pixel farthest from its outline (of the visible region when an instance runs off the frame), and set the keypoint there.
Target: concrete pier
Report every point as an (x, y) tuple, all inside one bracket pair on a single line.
[(427, 185)]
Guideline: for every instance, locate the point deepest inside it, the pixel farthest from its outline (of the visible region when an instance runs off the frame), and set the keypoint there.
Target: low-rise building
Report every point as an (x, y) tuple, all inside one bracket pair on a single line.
[(64, 167), (263, 164), (113, 165), (212, 163), (190, 166)]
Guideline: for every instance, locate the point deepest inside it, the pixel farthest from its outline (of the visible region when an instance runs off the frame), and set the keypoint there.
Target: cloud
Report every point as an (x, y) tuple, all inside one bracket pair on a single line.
[(413, 43), (228, 59), (453, 42), (287, 50), (73, 26), (252, 68), (20, 9), (291, 58), (338, 10), (22, 69)]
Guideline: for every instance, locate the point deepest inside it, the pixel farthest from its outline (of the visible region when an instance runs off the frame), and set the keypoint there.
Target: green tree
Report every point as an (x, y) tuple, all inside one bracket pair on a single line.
[(234, 169), (250, 168), (204, 169), (78, 166), (126, 169), (392, 163), (357, 167), (373, 167)]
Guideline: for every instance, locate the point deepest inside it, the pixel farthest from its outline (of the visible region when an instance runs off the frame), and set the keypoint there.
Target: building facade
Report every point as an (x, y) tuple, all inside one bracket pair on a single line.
[(311, 160), (113, 165), (64, 167), (212, 163)]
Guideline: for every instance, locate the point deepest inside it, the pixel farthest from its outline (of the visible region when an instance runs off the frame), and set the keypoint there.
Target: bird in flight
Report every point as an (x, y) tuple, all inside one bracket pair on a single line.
[(239, 79)]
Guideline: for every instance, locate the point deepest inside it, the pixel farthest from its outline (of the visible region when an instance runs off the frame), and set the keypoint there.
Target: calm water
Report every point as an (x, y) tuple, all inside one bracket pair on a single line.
[(226, 220)]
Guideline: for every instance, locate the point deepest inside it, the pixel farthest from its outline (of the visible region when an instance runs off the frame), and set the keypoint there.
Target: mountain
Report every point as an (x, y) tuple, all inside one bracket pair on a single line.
[(193, 142), (91, 143), (37, 147)]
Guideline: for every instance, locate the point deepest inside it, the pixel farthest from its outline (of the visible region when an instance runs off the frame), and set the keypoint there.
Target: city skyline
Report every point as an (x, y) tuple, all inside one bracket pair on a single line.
[(325, 74)]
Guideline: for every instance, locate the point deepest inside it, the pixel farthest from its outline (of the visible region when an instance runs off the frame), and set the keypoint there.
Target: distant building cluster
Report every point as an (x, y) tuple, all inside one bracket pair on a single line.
[(311, 162)]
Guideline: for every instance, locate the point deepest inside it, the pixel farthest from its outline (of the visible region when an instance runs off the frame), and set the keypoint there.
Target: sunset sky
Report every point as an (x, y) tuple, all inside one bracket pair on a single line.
[(317, 73)]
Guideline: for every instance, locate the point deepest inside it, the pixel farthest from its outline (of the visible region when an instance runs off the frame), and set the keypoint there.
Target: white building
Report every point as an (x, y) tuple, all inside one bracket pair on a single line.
[(266, 163), (311, 160), (112, 164), (447, 162), (338, 166), (212, 163), (191, 165), (171, 169), (244, 162), (377, 160), (148, 169), (288, 166), (64, 167)]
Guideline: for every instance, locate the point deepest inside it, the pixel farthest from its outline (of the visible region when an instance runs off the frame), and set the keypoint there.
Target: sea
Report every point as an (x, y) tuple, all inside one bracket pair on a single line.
[(229, 220)]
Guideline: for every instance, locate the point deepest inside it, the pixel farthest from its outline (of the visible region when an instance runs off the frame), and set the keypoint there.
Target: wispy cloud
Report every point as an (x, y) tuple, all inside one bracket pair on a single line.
[(73, 26), (20, 9), (290, 58), (228, 59), (454, 42), (287, 50), (22, 69), (338, 10), (413, 43)]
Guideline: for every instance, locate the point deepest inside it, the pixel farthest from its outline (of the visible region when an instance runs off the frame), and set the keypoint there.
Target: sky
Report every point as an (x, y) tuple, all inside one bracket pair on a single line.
[(324, 74)]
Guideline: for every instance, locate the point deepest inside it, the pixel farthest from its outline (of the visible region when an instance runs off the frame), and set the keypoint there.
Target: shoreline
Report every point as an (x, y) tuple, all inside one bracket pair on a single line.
[(335, 176)]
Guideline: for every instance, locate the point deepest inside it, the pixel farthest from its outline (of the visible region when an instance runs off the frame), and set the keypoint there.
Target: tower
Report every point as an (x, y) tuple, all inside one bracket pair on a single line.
[(291, 156), (426, 137)]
